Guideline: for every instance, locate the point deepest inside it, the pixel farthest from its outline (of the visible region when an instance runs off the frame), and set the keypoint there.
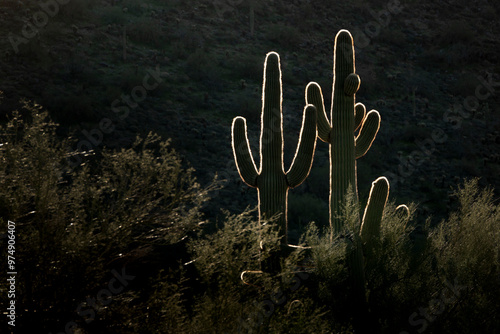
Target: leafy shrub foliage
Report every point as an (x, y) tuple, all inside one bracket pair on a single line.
[(75, 225), (138, 210), (467, 248)]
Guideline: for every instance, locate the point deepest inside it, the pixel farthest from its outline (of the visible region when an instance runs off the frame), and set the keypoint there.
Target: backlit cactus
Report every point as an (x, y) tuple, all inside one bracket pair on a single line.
[(346, 117), (270, 179)]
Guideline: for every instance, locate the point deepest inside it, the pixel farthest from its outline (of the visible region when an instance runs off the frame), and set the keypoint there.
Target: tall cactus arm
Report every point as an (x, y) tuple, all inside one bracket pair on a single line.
[(242, 152), (367, 133), (359, 115), (314, 96), (302, 161), (370, 227), (271, 137)]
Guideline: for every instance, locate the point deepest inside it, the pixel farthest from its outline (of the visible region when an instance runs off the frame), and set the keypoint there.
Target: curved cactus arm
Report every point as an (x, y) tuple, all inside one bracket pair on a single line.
[(314, 96), (403, 212), (370, 227), (351, 84), (359, 115), (242, 152), (302, 161), (367, 133)]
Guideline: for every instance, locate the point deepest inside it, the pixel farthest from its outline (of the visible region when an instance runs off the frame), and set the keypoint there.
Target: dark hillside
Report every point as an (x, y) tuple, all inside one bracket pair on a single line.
[(422, 64), (110, 71)]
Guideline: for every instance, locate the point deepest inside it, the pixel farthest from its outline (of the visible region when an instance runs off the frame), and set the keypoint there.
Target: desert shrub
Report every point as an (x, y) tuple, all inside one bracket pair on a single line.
[(117, 209), (301, 316), (220, 302), (328, 258), (74, 225), (220, 259), (468, 257), (398, 271)]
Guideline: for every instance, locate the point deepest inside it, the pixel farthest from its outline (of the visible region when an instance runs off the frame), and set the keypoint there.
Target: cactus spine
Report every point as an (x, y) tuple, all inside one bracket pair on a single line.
[(271, 180)]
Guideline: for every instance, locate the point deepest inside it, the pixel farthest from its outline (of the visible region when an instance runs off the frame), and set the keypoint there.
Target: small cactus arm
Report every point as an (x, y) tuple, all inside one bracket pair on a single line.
[(404, 213), (370, 226), (346, 117), (270, 179), (370, 232), (367, 242)]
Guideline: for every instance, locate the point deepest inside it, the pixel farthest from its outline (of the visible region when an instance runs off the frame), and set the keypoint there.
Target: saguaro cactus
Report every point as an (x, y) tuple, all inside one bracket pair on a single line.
[(270, 179), (346, 117)]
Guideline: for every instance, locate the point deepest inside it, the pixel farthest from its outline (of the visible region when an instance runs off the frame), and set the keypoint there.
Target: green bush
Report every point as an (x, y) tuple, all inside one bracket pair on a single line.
[(468, 254), (74, 225), (118, 208)]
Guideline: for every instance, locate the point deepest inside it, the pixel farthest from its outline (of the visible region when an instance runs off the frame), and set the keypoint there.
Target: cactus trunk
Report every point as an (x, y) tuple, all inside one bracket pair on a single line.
[(272, 194)]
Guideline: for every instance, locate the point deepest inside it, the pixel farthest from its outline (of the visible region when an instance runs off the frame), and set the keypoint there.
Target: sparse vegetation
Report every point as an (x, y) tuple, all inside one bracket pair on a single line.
[(139, 209), (134, 205)]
